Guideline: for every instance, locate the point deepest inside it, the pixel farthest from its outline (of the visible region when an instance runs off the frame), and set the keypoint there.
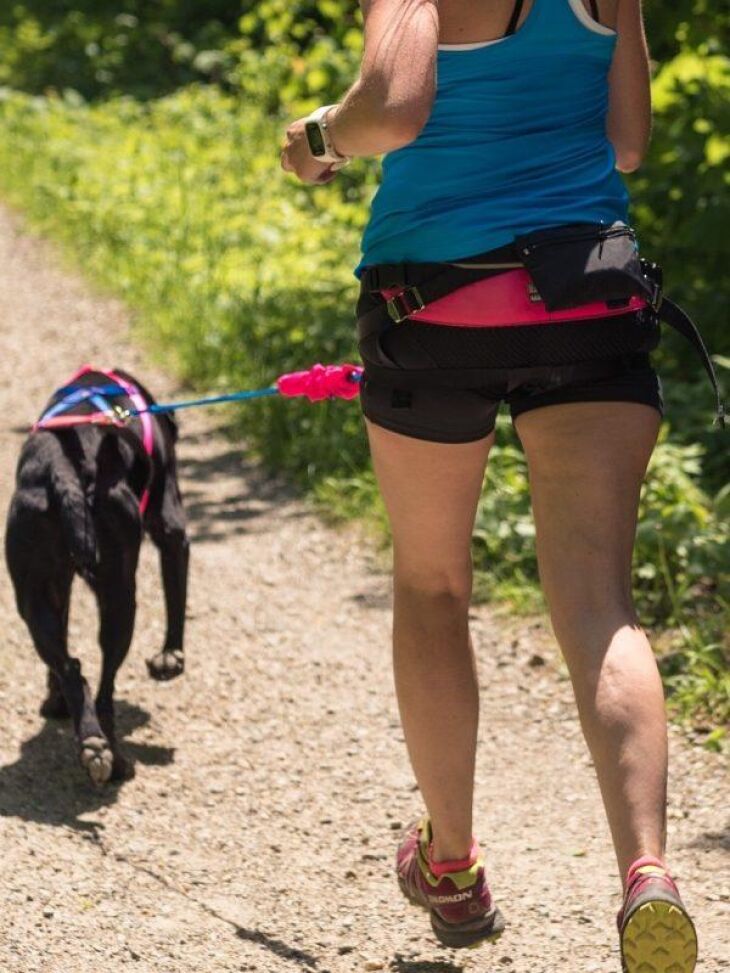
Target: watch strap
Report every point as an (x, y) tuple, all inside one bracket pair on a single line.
[(331, 155)]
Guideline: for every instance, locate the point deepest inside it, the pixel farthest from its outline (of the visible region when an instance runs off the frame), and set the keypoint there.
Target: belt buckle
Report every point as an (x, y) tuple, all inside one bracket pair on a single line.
[(656, 297), (120, 416), (533, 293), (404, 304)]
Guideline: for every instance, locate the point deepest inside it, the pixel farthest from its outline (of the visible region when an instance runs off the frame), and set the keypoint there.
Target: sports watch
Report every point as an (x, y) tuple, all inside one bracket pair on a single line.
[(320, 139)]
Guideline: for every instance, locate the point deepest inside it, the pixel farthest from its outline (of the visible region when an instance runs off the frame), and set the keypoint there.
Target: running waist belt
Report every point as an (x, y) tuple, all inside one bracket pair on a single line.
[(407, 292), (487, 302)]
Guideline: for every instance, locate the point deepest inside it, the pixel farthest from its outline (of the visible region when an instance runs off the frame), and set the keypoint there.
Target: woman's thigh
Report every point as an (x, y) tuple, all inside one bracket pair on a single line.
[(587, 462), (431, 491)]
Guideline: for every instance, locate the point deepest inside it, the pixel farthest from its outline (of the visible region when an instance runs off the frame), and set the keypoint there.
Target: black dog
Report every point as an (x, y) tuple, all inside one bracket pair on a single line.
[(77, 510)]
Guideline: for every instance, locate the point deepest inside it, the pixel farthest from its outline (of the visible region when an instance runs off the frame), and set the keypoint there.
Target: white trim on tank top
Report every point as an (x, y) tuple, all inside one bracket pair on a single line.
[(575, 5), (585, 18)]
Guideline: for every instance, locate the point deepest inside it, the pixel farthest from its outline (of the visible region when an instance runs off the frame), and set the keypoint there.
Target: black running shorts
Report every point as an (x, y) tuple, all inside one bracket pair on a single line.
[(537, 367)]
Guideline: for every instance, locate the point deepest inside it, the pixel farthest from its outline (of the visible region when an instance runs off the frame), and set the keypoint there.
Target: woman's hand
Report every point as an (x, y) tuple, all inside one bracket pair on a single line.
[(296, 157)]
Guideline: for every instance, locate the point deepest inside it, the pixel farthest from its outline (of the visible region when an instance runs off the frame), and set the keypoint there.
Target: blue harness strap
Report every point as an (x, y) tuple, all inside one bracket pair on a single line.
[(97, 389), (73, 395)]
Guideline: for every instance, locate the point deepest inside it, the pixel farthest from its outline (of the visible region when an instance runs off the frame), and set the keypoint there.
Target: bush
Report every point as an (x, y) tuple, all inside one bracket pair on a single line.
[(293, 55), (106, 47)]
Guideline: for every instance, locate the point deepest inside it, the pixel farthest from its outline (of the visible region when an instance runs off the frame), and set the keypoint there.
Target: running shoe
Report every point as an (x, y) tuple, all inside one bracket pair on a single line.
[(657, 934), (455, 894)]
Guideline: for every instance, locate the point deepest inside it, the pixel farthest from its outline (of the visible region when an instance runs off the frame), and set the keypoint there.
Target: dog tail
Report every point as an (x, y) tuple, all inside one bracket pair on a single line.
[(77, 520)]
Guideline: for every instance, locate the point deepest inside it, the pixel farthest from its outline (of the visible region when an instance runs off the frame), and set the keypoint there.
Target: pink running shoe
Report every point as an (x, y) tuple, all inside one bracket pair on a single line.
[(455, 894), (657, 934)]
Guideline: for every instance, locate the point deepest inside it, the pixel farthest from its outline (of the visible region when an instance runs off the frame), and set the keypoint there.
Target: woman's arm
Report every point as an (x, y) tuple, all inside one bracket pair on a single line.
[(390, 102), (629, 106)]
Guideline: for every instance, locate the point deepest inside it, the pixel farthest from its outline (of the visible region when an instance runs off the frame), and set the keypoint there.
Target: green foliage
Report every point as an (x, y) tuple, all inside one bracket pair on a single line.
[(105, 47), (296, 54), (276, 52), (697, 679), (686, 24), (682, 210), (504, 533), (685, 219), (683, 540)]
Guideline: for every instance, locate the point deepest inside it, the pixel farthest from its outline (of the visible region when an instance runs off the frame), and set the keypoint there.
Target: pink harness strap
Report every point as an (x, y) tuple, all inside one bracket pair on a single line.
[(503, 302), (138, 401)]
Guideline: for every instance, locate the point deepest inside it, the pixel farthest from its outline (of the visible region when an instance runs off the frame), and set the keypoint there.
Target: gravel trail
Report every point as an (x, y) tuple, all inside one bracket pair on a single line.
[(259, 832)]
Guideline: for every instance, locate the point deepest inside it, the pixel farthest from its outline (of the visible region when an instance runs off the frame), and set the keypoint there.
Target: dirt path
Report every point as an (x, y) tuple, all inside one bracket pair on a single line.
[(271, 780)]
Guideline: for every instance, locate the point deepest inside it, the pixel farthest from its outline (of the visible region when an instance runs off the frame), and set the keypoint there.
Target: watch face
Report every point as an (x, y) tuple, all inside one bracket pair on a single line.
[(314, 137)]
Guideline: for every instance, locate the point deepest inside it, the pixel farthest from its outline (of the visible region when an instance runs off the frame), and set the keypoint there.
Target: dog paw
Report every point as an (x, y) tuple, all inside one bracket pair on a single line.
[(167, 664), (54, 708), (97, 759)]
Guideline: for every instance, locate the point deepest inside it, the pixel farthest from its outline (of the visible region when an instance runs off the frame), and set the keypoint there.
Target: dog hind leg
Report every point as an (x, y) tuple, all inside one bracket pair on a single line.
[(55, 705), (116, 598), (117, 609), (47, 617), (42, 572)]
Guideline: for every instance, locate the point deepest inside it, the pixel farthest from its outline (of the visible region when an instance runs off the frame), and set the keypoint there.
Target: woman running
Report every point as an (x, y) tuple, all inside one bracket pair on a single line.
[(497, 120)]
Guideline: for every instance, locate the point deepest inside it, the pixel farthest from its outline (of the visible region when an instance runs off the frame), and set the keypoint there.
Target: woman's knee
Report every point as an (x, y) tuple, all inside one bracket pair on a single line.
[(435, 584), (582, 608), (597, 638), (589, 591)]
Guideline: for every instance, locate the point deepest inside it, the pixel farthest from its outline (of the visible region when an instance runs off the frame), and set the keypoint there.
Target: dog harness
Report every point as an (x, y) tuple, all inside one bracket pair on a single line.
[(72, 395)]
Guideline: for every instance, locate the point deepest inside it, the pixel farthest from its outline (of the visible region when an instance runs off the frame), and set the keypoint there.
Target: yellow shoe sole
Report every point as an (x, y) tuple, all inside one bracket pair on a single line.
[(659, 938)]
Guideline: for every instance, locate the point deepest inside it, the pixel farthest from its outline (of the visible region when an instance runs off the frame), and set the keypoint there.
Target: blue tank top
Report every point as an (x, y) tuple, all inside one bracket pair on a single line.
[(516, 141)]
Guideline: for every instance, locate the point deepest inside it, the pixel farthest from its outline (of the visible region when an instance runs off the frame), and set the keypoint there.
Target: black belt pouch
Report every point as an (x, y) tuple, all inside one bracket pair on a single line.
[(585, 262)]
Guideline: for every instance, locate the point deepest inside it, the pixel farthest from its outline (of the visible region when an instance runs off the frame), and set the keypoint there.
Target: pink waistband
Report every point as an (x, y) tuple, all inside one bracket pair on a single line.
[(504, 301), (138, 401)]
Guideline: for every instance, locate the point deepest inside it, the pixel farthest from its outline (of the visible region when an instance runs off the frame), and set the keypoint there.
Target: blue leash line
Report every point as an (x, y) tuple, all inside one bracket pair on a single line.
[(211, 400)]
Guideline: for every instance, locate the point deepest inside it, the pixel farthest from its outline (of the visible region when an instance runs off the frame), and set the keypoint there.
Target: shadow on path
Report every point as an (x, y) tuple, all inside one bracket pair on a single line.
[(278, 948), (46, 784), (216, 515), (713, 839), (401, 965)]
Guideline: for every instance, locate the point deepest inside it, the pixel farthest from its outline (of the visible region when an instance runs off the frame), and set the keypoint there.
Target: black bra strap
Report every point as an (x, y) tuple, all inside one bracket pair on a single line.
[(595, 11), (515, 18)]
